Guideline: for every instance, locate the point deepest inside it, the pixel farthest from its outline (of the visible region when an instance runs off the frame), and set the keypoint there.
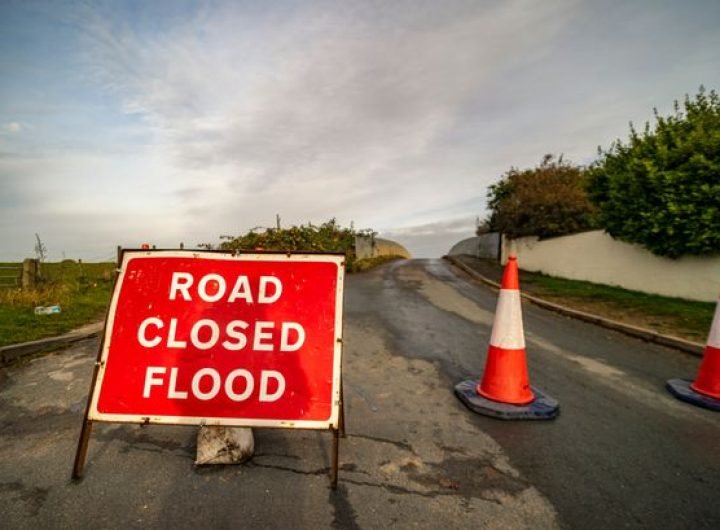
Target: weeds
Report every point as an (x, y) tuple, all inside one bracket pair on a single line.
[(82, 290)]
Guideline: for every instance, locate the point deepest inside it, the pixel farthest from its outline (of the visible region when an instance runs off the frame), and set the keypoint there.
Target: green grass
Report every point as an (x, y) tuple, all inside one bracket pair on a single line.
[(675, 316), (82, 290)]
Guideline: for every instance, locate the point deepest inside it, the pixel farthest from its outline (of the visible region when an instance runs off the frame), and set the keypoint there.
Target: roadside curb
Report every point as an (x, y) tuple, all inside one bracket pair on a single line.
[(15, 351), (647, 335)]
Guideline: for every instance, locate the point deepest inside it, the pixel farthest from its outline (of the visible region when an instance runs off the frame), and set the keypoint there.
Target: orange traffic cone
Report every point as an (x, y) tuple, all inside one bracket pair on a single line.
[(505, 378), (705, 390), (504, 391)]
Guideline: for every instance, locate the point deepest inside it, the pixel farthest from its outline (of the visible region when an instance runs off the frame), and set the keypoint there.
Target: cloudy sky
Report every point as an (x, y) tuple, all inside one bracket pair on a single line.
[(168, 121)]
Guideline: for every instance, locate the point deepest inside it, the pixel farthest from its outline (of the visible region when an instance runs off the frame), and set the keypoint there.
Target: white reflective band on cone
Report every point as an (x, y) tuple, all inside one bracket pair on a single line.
[(507, 330), (714, 338)]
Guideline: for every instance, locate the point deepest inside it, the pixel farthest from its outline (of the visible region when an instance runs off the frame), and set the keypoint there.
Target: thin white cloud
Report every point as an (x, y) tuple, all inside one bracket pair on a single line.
[(395, 115), (323, 113), (11, 127)]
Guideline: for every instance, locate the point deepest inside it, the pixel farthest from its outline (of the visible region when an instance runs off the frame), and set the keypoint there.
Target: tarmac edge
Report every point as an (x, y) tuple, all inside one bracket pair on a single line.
[(13, 352), (647, 335)]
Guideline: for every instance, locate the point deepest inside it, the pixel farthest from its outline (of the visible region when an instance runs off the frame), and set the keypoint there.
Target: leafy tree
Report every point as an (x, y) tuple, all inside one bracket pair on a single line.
[(482, 227), (547, 200), (661, 189)]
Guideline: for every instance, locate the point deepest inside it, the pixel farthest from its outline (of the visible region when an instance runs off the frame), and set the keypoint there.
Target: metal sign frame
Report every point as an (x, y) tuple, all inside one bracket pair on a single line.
[(335, 423)]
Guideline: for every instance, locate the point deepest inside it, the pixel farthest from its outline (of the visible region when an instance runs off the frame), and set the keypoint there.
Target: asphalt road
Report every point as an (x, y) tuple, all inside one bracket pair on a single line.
[(623, 452)]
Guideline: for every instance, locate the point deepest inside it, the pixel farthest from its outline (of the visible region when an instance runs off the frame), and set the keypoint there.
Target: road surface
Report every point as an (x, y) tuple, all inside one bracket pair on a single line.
[(623, 452)]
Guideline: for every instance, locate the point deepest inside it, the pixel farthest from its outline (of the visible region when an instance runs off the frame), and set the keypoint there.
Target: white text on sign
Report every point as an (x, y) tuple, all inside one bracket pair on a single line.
[(205, 334)]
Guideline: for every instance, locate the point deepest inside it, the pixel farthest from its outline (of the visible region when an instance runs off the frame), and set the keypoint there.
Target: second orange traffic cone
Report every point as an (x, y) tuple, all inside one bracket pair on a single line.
[(504, 390), (705, 390)]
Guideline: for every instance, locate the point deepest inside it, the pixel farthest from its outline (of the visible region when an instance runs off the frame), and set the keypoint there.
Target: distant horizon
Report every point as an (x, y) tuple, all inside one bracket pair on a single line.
[(183, 245)]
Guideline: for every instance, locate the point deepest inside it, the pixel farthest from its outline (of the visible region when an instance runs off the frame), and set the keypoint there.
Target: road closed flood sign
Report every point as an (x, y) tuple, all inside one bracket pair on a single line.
[(223, 339)]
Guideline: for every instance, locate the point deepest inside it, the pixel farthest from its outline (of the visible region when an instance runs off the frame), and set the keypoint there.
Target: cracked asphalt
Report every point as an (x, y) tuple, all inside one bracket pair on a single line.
[(623, 453)]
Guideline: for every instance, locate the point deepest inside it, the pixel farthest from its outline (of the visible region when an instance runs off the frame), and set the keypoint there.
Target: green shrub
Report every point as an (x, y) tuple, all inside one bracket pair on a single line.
[(661, 189)]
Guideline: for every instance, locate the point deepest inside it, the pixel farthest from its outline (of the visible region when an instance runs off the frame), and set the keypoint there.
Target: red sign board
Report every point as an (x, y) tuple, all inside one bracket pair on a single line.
[(223, 339)]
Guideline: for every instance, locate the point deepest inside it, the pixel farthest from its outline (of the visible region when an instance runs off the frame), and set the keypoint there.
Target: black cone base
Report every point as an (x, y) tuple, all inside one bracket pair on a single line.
[(680, 388), (543, 407)]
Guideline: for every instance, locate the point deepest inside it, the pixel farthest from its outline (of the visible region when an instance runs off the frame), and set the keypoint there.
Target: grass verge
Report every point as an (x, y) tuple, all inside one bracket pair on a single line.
[(82, 290), (673, 316), (686, 319)]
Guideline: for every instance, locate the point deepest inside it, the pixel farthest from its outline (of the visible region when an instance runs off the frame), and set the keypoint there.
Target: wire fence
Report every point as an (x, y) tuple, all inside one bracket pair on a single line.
[(10, 275)]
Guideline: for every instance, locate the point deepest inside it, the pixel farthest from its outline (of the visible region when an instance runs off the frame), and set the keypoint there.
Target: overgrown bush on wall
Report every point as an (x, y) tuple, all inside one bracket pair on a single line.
[(327, 237), (661, 189), (547, 200)]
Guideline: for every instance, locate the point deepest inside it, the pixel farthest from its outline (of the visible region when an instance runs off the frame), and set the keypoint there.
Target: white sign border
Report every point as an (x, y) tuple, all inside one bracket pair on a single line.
[(331, 423)]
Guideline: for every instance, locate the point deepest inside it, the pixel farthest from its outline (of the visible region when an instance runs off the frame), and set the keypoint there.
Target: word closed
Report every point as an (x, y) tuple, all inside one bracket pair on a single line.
[(206, 337)]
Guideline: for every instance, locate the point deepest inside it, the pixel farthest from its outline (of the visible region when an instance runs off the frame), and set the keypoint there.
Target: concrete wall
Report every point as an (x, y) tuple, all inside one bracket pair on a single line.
[(364, 247), (372, 247), (596, 257), (485, 246)]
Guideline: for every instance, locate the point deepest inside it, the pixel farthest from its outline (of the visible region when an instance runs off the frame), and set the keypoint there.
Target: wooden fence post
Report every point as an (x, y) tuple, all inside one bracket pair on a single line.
[(29, 273)]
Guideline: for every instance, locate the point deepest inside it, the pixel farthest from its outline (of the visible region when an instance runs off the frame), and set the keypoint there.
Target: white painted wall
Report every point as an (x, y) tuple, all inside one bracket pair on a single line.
[(596, 257), (485, 246), (372, 247), (386, 247)]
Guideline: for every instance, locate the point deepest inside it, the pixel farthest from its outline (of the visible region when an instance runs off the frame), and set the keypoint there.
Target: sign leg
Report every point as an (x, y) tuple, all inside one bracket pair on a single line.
[(82, 448), (334, 469), (341, 423)]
